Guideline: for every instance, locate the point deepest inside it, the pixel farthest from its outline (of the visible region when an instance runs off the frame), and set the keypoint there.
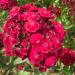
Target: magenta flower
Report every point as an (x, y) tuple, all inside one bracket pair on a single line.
[(7, 4), (31, 32), (32, 26), (36, 39), (51, 61), (45, 13), (68, 57)]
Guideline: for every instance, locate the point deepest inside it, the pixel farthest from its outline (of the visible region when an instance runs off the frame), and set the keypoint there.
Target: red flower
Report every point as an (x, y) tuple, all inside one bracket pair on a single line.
[(27, 6), (9, 51), (32, 26), (24, 16), (50, 61), (68, 57), (24, 43), (22, 53), (14, 11), (20, 67), (42, 68), (36, 39), (45, 13), (36, 56), (33, 8), (46, 46), (58, 27), (7, 4), (9, 41), (30, 32), (57, 11), (33, 16)]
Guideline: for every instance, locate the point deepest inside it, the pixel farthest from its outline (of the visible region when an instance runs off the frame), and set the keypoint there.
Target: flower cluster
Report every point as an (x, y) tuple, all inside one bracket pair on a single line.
[(55, 10), (68, 57), (7, 4), (31, 32)]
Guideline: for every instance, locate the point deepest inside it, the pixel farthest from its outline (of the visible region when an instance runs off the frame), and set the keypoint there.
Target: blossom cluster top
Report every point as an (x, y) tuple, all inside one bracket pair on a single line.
[(31, 32)]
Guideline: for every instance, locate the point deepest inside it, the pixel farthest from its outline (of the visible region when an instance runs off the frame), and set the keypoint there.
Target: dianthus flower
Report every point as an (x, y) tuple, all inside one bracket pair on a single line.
[(7, 4), (68, 57), (55, 10), (31, 32)]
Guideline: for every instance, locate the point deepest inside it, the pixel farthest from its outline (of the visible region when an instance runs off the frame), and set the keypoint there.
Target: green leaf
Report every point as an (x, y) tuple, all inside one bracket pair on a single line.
[(19, 61), (68, 27), (31, 1), (37, 72), (55, 69), (3, 61), (28, 68), (23, 73), (37, 3), (22, 2), (3, 17), (67, 71), (73, 45)]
